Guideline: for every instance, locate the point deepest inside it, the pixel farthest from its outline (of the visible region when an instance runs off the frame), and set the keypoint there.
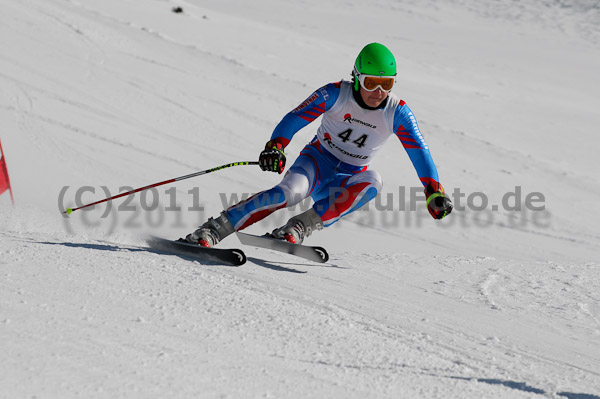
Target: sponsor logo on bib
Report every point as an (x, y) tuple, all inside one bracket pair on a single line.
[(348, 118)]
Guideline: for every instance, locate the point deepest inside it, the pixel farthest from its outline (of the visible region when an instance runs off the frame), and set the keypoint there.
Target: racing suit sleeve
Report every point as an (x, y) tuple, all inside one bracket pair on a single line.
[(314, 106), (407, 130)]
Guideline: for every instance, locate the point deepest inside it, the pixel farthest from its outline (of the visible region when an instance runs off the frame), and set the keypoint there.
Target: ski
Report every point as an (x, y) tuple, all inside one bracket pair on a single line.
[(233, 257), (316, 254)]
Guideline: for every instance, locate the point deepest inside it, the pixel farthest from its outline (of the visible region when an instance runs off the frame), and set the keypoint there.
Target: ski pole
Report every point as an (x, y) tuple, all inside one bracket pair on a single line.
[(71, 210)]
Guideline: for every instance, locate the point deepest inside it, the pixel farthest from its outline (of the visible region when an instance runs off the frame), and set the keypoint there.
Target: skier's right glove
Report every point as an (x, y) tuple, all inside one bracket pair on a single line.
[(272, 158), (438, 203)]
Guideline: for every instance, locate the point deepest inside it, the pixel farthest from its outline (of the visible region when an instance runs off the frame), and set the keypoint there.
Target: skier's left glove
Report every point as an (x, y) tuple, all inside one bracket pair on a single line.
[(439, 204), (272, 158)]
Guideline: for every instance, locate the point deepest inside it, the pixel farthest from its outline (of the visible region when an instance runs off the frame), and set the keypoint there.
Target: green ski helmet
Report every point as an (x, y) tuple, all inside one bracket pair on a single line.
[(374, 59)]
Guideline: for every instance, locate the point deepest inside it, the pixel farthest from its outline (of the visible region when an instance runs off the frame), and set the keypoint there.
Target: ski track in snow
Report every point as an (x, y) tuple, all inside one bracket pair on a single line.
[(325, 331), (339, 335), (108, 94)]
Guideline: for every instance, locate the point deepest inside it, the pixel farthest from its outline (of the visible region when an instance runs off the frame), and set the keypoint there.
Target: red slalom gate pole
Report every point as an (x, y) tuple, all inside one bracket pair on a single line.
[(4, 170), (71, 210)]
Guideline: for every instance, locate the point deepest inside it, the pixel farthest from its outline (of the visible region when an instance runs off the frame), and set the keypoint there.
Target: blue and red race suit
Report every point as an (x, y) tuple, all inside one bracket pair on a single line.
[(333, 167)]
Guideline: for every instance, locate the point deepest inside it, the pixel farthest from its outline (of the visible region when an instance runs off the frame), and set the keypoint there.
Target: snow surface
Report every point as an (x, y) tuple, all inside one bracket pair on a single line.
[(114, 93)]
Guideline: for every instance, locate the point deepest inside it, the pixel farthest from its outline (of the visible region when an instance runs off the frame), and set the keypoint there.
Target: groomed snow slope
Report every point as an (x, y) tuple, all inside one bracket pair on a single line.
[(485, 304)]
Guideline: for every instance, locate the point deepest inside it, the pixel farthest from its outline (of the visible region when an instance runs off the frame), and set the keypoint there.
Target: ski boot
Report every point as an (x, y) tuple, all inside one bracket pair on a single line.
[(211, 232), (299, 227)]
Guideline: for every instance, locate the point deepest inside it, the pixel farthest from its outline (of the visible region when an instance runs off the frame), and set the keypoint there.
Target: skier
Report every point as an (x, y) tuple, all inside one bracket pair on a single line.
[(358, 118)]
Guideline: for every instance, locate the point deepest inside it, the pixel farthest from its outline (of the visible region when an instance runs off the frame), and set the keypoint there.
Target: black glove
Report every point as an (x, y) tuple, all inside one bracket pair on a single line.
[(272, 158), (438, 203)]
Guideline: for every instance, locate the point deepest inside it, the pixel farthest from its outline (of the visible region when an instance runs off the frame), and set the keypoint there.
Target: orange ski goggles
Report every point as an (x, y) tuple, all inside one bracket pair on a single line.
[(372, 82)]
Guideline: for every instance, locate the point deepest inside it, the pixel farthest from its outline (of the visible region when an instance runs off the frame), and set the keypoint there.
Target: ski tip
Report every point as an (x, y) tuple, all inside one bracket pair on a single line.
[(241, 257), (68, 211), (322, 252)]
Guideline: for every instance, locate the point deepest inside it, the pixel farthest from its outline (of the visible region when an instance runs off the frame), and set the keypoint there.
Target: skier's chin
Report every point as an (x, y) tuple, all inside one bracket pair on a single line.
[(375, 101)]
